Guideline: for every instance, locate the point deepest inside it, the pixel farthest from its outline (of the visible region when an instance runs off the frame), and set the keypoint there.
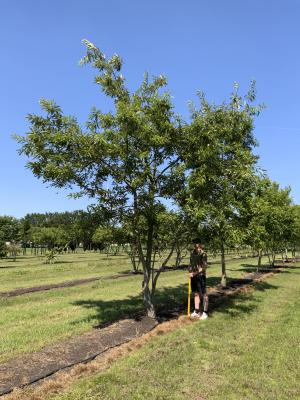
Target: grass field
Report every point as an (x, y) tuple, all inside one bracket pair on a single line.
[(31, 321), (249, 349), (29, 270)]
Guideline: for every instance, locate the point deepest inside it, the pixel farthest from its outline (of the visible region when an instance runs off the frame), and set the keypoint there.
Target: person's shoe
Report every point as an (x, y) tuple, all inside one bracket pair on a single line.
[(195, 315), (204, 316)]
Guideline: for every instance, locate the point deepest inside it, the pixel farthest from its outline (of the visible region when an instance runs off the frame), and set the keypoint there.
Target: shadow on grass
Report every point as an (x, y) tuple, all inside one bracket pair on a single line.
[(253, 268), (168, 300), (241, 303), (62, 262), (266, 268), (107, 312)]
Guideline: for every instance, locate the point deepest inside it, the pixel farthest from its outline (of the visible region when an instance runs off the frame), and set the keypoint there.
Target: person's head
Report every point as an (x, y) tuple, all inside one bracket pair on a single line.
[(198, 246)]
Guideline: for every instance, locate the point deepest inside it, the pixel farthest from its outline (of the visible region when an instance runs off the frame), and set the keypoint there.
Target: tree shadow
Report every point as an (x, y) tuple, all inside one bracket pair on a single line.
[(240, 303), (62, 262), (172, 302), (109, 311), (253, 268)]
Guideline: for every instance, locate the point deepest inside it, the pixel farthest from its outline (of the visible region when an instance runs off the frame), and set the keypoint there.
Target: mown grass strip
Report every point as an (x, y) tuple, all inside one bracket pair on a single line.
[(30, 271), (249, 349)]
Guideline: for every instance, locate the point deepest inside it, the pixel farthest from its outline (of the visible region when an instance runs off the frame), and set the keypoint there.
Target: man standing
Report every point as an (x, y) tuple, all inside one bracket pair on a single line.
[(197, 273)]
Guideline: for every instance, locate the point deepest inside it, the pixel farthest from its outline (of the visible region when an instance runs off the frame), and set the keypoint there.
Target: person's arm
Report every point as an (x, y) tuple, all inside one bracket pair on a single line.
[(191, 273), (203, 266)]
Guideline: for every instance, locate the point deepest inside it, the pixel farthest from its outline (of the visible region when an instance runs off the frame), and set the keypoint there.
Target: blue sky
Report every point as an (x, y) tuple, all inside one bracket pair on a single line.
[(199, 45)]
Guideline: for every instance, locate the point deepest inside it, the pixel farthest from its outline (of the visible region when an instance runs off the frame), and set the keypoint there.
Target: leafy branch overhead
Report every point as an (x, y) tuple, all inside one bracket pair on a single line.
[(133, 148)]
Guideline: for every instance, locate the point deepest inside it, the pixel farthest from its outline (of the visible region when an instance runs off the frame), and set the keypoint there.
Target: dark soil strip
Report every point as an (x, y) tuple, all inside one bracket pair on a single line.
[(21, 291), (33, 367)]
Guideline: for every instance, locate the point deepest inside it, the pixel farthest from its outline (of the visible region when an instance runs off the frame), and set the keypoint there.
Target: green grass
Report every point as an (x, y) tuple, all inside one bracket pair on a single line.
[(30, 322), (249, 349), (28, 271)]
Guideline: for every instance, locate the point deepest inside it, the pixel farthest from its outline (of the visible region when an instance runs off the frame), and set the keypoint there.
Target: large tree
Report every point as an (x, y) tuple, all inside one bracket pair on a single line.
[(223, 166), (127, 158)]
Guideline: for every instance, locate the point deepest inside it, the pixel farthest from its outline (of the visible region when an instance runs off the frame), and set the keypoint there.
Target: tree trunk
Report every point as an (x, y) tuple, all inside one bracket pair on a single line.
[(223, 266), (147, 293), (147, 298), (273, 258), (179, 255), (134, 262), (259, 259)]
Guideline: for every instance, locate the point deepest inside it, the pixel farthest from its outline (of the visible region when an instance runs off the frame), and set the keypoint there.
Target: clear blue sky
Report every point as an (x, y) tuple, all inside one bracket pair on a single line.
[(205, 45)]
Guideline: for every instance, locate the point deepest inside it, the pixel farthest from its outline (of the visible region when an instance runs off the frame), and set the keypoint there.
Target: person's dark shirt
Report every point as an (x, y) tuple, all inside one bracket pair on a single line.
[(198, 260)]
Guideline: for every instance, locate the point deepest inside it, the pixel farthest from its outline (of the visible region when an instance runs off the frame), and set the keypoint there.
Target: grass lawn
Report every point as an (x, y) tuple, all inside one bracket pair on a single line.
[(31, 321), (249, 349), (28, 271)]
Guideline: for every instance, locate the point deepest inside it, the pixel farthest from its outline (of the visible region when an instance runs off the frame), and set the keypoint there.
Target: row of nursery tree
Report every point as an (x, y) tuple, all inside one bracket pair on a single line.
[(141, 156), (269, 224)]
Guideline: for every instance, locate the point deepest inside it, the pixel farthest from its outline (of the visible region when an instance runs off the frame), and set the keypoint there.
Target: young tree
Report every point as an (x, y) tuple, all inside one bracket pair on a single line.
[(25, 232), (294, 242), (3, 249), (10, 228), (127, 159), (49, 237)]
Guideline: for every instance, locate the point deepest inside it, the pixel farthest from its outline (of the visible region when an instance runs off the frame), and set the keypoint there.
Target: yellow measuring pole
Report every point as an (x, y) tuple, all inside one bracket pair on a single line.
[(189, 298)]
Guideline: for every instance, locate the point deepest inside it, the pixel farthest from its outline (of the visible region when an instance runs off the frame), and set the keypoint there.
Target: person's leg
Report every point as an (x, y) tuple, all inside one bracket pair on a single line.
[(205, 303), (196, 312), (205, 297), (196, 291), (197, 302)]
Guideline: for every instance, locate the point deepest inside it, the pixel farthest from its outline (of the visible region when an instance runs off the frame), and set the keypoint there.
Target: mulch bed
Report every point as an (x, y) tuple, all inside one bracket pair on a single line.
[(33, 367)]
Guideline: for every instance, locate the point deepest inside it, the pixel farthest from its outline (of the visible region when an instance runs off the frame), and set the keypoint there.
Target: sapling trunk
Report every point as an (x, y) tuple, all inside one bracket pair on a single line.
[(259, 259), (223, 267)]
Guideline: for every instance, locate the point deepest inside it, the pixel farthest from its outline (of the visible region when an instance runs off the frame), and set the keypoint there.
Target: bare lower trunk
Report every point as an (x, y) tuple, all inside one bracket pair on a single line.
[(147, 268), (259, 259), (147, 298), (135, 261), (223, 267), (273, 258)]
